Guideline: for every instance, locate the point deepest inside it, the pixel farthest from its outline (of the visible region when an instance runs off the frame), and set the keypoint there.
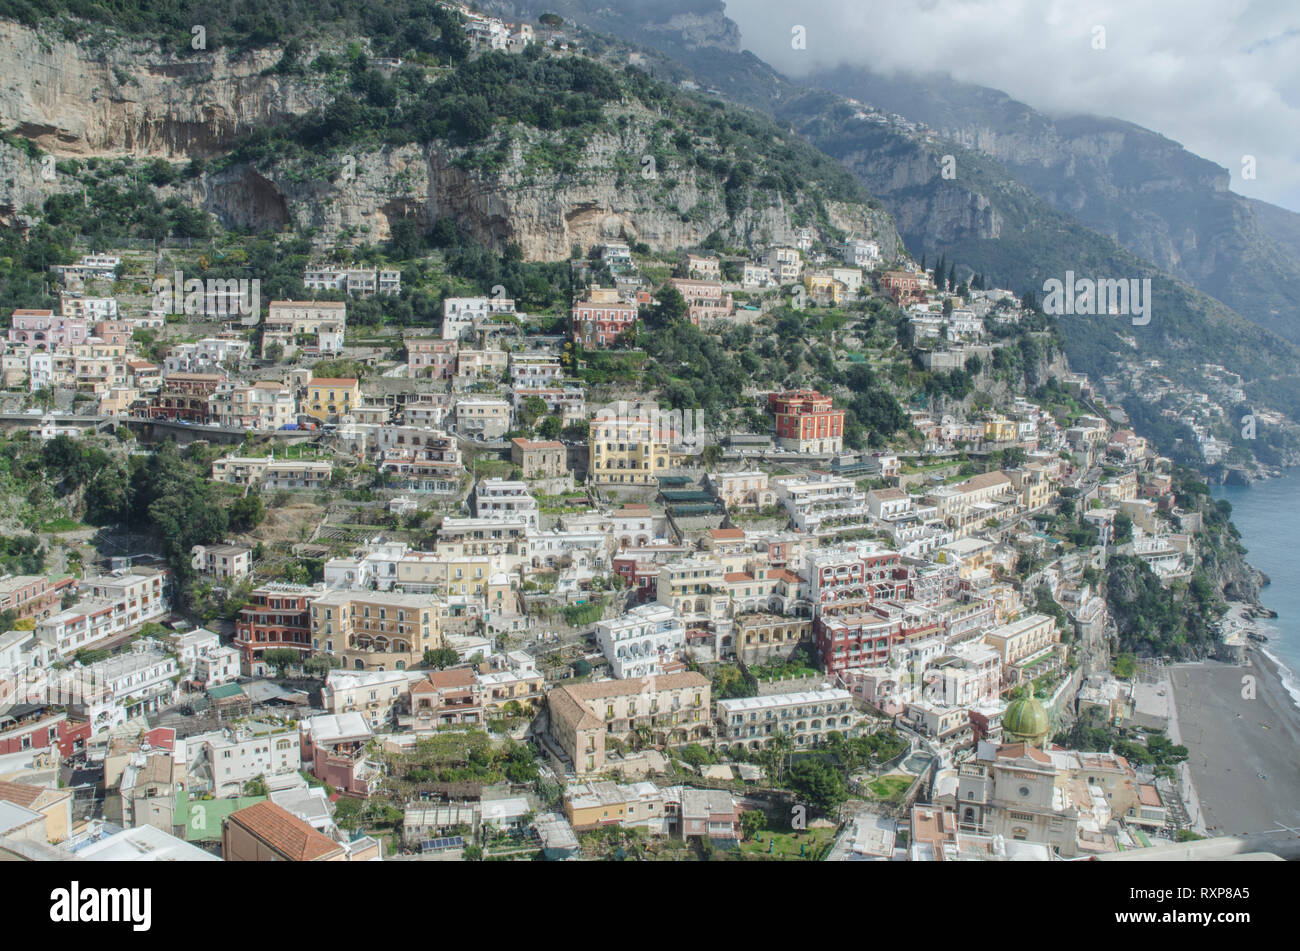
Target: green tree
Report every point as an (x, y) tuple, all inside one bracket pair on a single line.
[(752, 822), (280, 658), (440, 657)]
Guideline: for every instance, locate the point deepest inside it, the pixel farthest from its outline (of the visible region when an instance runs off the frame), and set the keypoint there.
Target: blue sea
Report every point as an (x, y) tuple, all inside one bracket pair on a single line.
[(1268, 516)]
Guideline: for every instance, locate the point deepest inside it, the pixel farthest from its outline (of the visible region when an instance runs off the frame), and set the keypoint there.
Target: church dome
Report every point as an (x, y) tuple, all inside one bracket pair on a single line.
[(1026, 720)]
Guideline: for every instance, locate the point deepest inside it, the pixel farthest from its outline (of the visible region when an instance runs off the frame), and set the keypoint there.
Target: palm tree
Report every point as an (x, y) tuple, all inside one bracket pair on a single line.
[(781, 746)]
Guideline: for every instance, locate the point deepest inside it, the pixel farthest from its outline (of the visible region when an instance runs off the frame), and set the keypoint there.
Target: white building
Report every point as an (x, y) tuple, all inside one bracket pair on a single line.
[(824, 505), (224, 760), (217, 667), (639, 643), (807, 717), (138, 682), (505, 500), (459, 314), (222, 562)]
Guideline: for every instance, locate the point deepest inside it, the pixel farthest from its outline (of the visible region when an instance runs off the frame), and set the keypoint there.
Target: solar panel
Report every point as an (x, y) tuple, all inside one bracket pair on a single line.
[(446, 842)]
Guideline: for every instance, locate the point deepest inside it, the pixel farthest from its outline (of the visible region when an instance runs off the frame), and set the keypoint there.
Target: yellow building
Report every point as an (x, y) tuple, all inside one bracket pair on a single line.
[(675, 708), (376, 630), (628, 450), (823, 288), (328, 398), (999, 429)]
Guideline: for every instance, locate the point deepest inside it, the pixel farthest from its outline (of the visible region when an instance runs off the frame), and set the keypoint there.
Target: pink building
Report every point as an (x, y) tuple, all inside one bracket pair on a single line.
[(42, 330)]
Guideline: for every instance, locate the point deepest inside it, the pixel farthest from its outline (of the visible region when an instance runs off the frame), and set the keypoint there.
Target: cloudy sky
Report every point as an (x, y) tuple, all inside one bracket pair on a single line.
[(1222, 77)]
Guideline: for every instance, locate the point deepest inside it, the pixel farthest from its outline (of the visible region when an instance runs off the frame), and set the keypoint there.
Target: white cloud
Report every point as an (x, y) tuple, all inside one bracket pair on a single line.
[(1222, 77)]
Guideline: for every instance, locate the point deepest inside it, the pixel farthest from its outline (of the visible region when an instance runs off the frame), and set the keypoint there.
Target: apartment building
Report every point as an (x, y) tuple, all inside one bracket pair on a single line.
[(312, 327), (505, 500), (532, 371), (460, 315), (112, 604), (482, 418), (705, 300), (431, 357), (786, 264), (757, 276), (42, 330), (744, 491), (858, 253), (185, 396), (568, 402), (539, 459), (222, 562), (265, 405), (447, 698), (375, 694), (265, 832), (628, 450), (330, 398), (363, 282), (32, 596), (806, 717), (675, 708), (693, 588), (824, 505), (642, 641), (761, 637), (1024, 639), (601, 318), (595, 805), (806, 421), (277, 616), (375, 630), (222, 761), (701, 267)]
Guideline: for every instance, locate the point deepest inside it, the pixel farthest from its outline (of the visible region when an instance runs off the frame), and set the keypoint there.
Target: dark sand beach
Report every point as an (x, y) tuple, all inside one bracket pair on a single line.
[(1245, 753)]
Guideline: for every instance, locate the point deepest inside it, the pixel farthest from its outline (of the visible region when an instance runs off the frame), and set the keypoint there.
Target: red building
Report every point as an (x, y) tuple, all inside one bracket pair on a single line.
[(640, 573), (33, 596), (33, 726), (854, 640), (276, 616), (903, 286), (806, 421), (446, 698), (601, 319), (185, 396)]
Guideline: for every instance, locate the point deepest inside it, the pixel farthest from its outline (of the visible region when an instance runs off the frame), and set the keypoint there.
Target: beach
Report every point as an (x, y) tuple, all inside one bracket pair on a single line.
[(1243, 736)]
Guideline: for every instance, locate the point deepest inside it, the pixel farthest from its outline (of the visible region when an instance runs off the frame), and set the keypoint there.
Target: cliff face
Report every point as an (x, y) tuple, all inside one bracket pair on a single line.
[(75, 101), (544, 211), (132, 98)]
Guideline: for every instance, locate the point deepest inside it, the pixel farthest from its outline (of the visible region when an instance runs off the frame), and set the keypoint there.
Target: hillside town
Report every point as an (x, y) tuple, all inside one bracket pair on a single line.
[(564, 625), (699, 521)]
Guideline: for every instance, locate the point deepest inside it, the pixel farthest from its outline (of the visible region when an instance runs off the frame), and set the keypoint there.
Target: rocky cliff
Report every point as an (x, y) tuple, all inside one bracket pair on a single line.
[(80, 101)]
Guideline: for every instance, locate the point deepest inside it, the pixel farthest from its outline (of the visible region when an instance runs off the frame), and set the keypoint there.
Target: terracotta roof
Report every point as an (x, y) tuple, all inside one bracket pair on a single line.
[(460, 677), (635, 685), (727, 534), (737, 576), (1020, 750), (784, 574), (285, 832), (530, 444), (24, 794)]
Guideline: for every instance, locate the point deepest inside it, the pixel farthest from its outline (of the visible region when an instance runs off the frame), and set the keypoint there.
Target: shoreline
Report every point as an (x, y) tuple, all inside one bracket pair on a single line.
[(1241, 726)]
